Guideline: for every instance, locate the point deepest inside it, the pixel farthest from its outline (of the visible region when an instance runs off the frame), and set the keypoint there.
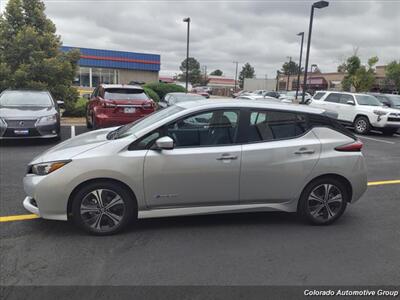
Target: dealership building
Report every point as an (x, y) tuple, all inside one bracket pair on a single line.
[(107, 66)]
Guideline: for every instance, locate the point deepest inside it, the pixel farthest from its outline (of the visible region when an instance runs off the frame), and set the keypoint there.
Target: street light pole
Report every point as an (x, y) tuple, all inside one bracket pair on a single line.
[(187, 20), (319, 5), (288, 75), (236, 62), (299, 71)]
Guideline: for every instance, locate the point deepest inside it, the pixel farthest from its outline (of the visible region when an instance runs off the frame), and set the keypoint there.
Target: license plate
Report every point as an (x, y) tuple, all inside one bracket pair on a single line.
[(129, 110), (21, 131)]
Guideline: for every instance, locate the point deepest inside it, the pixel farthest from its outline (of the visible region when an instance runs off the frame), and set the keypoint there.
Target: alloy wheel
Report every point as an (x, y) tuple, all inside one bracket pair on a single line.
[(325, 202), (361, 125), (102, 210)]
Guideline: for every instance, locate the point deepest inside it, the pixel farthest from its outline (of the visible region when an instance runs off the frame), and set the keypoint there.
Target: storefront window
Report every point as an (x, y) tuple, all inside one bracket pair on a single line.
[(99, 75), (82, 77)]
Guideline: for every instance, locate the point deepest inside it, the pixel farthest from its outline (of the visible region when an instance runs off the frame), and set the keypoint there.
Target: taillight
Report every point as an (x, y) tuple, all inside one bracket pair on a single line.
[(351, 147)]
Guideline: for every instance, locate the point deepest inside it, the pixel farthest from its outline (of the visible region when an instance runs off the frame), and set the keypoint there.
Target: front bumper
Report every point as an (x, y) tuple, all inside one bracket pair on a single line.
[(391, 120), (29, 129), (29, 204)]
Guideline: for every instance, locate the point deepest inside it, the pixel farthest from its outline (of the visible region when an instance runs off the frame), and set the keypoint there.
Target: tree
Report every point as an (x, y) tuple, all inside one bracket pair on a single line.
[(195, 76), (361, 77), (246, 72), (290, 68), (393, 73), (30, 55), (216, 72)]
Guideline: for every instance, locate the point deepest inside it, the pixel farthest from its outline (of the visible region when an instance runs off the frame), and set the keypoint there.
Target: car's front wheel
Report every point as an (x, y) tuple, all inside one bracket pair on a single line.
[(362, 125), (323, 201), (103, 208)]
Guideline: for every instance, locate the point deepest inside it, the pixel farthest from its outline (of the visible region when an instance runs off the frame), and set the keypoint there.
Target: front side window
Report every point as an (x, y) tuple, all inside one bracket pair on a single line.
[(212, 128), (318, 95), (344, 98), (334, 97), (275, 125)]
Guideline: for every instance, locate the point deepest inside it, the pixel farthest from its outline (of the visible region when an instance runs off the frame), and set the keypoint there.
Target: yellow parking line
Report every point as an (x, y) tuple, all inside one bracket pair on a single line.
[(18, 218), (32, 216), (371, 183)]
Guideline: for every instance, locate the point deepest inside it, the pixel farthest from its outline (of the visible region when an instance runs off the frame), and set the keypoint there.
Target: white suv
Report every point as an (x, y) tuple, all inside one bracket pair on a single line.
[(364, 112)]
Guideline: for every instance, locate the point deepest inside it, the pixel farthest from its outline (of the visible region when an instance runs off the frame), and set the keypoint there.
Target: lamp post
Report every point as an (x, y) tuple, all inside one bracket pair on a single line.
[(236, 62), (299, 71), (319, 5), (187, 20), (288, 75)]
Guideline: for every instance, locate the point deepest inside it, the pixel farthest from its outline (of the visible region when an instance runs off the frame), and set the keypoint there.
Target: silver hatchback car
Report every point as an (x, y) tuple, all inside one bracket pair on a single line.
[(201, 157)]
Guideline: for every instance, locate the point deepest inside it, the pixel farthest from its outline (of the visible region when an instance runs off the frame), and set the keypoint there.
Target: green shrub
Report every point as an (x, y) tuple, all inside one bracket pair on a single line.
[(164, 88), (78, 110), (151, 94)]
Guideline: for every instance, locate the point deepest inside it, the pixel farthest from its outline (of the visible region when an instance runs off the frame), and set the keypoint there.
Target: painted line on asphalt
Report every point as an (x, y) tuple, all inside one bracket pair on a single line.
[(72, 131), (376, 140), (18, 218), (33, 216), (372, 183)]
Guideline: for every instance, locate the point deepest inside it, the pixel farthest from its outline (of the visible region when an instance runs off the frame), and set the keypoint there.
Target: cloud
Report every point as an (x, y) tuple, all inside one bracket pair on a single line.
[(262, 33)]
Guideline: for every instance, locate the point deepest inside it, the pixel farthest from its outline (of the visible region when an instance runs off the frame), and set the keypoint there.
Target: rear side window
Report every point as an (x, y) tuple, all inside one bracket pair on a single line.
[(275, 125), (124, 94), (334, 97), (318, 95)]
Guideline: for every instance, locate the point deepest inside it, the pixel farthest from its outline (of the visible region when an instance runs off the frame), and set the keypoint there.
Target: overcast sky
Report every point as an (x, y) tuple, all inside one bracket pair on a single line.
[(262, 33)]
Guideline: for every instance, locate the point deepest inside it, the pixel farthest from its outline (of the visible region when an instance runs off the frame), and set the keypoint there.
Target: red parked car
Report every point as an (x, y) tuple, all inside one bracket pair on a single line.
[(116, 104)]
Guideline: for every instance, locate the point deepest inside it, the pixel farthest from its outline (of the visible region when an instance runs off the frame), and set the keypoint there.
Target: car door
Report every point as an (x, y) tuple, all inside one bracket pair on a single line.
[(347, 111), (331, 103), (278, 157), (203, 167)]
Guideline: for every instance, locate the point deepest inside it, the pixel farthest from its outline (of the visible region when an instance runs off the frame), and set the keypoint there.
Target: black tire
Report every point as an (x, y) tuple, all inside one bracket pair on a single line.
[(362, 125), (389, 131), (320, 215), (105, 221), (94, 124), (88, 124)]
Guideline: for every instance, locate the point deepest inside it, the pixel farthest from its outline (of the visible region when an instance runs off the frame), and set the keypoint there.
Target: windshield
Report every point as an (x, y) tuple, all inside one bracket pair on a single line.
[(368, 100), (395, 99), (183, 98), (133, 128), (124, 94), (25, 98)]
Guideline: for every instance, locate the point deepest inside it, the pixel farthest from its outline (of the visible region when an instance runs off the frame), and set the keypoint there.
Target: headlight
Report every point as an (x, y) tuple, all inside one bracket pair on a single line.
[(47, 168), (380, 112), (47, 120)]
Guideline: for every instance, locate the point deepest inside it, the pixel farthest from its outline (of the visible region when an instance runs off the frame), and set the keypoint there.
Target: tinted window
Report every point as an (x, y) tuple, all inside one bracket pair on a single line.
[(345, 97), (25, 98), (318, 95), (395, 100), (275, 125), (125, 94), (205, 129), (334, 97)]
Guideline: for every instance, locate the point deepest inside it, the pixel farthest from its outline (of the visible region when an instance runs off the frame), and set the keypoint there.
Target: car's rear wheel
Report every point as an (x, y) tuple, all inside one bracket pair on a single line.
[(88, 124), (389, 131), (323, 201), (103, 208), (362, 125), (94, 123)]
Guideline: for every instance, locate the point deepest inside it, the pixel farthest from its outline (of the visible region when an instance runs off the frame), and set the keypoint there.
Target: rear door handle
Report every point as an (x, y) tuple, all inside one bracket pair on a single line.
[(227, 156), (305, 151)]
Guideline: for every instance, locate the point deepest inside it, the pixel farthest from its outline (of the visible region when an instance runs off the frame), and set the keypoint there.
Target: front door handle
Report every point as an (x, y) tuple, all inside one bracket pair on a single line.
[(305, 151), (227, 156)]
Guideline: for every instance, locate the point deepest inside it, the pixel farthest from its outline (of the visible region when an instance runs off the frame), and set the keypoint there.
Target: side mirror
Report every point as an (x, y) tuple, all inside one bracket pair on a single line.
[(60, 103), (386, 104), (165, 143), (351, 102)]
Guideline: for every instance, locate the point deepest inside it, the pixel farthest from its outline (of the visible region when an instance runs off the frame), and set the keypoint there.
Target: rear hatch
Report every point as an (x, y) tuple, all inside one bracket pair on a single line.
[(128, 100)]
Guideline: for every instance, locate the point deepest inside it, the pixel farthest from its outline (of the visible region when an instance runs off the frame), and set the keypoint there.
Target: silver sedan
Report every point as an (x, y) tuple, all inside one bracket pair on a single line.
[(201, 157)]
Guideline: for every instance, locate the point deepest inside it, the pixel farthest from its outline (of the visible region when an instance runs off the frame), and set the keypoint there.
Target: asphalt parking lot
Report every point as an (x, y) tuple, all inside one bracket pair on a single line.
[(362, 248)]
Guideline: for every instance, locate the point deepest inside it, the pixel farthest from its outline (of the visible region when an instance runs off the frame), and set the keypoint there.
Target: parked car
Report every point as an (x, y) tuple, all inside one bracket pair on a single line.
[(173, 98), (29, 114), (272, 94), (389, 100), (200, 93), (291, 95), (239, 93), (116, 104), (201, 157), (257, 97), (364, 112)]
